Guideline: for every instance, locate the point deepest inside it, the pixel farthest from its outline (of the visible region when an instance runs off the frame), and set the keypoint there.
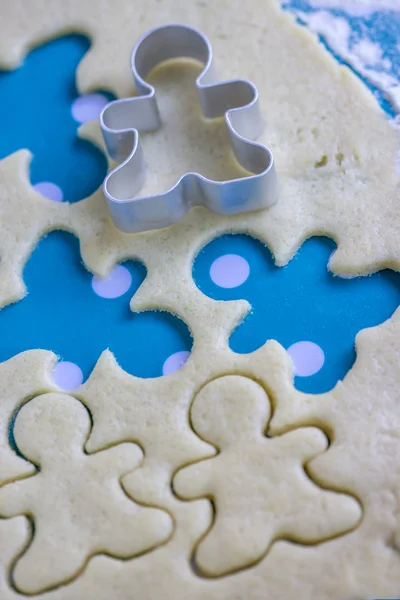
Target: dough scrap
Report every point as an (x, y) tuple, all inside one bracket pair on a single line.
[(76, 501), (259, 487)]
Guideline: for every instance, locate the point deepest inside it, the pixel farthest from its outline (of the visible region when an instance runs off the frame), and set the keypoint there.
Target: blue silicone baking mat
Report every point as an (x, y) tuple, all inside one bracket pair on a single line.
[(77, 315)]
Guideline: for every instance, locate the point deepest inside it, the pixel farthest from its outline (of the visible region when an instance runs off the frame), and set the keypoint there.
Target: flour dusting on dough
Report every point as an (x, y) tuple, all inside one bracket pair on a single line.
[(362, 55), (358, 7)]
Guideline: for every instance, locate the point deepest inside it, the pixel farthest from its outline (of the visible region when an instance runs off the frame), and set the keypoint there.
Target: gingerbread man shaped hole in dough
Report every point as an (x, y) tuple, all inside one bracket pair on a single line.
[(76, 500), (258, 485)]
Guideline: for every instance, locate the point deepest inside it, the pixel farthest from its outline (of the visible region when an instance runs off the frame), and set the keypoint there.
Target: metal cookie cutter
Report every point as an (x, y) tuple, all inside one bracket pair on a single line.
[(121, 121)]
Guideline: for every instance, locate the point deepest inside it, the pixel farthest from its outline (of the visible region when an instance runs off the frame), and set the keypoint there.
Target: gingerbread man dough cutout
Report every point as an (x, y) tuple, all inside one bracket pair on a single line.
[(258, 485), (76, 500)]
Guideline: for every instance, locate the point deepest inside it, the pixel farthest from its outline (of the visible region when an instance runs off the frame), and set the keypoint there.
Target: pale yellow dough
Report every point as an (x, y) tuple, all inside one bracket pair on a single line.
[(76, 501), (314, 109), (260, 490), (21, 377)]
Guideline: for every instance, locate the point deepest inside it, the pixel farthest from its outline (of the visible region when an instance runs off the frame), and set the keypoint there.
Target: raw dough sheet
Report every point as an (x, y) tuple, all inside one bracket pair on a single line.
[(162, 448)]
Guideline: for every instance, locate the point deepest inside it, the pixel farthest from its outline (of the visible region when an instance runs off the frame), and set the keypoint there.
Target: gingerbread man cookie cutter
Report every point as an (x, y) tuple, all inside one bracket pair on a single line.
[(121, 121)]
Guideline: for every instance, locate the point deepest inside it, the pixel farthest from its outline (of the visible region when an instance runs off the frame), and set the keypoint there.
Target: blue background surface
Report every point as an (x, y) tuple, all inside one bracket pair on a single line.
[(38, 98), (64, 314), (301, 301)]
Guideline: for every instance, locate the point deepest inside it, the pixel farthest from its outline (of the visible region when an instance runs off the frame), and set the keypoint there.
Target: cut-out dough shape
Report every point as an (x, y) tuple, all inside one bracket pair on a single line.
[(259, 486), (76, 501)]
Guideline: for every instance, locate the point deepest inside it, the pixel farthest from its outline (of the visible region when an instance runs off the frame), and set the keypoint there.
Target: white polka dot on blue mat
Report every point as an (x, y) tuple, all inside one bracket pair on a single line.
[(67, 375), (175, 362), (116, 284), (88, 108), (308, 358), (229, 270), (49, 190)]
